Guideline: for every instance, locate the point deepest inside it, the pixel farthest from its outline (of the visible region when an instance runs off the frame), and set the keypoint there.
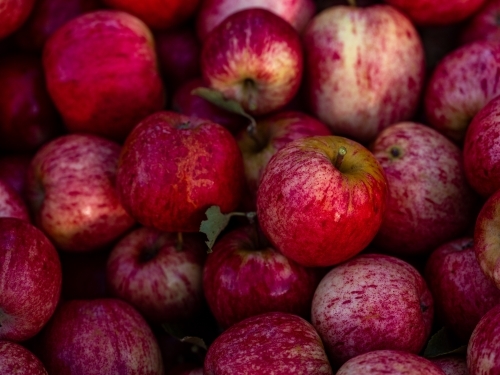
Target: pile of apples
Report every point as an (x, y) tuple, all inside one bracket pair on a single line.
[(227, 187)]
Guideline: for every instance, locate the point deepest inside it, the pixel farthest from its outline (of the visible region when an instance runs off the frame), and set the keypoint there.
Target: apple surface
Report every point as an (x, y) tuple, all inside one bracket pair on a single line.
[(13, 170), (452, 364), (17, 360), (11, 204), (318, 188), (483, 25), (12, 15)]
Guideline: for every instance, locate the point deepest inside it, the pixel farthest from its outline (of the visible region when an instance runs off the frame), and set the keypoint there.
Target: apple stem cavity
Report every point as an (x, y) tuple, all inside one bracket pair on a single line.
[(340, 157)]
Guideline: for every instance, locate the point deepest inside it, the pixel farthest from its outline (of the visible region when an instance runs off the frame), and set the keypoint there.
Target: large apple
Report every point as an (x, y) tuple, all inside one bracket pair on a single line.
[(72, 193), (17, 360), (372, 302), (321, 200), (255, 58), (364, 69), (272, 343), (11, 204), (102, 73), (12, 15), (172, 168), (30, 271)]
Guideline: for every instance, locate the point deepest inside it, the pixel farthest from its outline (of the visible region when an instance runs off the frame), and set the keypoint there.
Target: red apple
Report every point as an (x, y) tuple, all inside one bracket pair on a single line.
[(213, 12), (13, 170), (17, 360), (11, 204), (172, 168), (483, 25), (30, 274), (28, 118), (365, 69), (12, 15), (255, 58), (430, 201), (372, 302), (272, 343), (101, 336), (451, 364), (460, 86), (72, 193), (317, 189), (157, 274), (102, 73)]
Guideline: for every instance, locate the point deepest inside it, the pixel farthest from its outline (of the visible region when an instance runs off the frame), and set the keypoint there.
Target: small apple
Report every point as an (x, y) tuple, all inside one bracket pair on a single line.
[(12, 15), (17, 360), (452, 364)]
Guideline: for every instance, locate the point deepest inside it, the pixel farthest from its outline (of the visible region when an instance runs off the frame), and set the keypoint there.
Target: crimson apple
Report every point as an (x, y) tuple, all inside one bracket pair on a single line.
[(11, 204), (30, 271), (272, 343), (452, 364), (483, 25), (72, 193), (364, 69), (255, 58), (17, 360), (172, 168), (13, 170), (317, 189), (12, 15), (102, 73)]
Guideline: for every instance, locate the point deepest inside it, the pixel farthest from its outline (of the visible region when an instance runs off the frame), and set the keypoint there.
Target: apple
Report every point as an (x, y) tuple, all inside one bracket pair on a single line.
[(17, 360), (255, 58), (30, 271), (13, 170), (158, 274), (483, 346), (317, 189), (272, 133), (100, 336), (213, 12), (158, 14), (101, 70), (483, 25), (172, 168), (28, 118), (235, 292), (451, 364), (11, 204), (372, 302), (72, 192), (461, 85), (364, 69), (272, 343), (389, 362), (430, 201), (12, 15), (428, 12), (481, 152)]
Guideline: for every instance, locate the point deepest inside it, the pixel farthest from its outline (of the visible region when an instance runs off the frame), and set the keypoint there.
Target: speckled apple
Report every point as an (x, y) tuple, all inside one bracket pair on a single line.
[(461, 85), (101, 71), (17, 360), (157, 274), (461, 292), (430, 201), (11, 204), (12, 15), (72, 192), (313, 200), (483, 25), (213, 12), (255, 58), (364, 69), (100, 336), (30, 275), (452, 364), (172, 168), (389, 362), (372, 302), (272, 343)]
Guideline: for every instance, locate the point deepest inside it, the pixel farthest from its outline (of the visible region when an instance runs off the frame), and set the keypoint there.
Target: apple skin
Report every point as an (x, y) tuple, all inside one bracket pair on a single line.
[(101, 336), (364, 69), (72, 192), (428, 12), (461, 291), (17, 360), (12, 15), (461, 85), (30, 271), (102, 73), (481, 152), (158, 14), (389, 362), (233, 291), (372, 302), (272, 343), (172, 168), (483, 25), (28, 118), (483, 346), (430, 201), (147, 270), (13, 170), (255, 58), (213, 12), (451, 365), (302, 191), (272, 134), (11, 204)]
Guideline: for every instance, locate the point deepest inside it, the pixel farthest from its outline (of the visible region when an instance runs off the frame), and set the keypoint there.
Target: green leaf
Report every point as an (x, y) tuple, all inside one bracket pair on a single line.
[(441, 344), (214, 225), (177, 334), (195, 341)]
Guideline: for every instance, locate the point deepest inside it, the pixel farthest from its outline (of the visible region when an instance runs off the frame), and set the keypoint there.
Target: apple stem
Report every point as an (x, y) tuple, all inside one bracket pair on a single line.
[(352, 2), (180, 241), (340, 156), (251, 98)]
